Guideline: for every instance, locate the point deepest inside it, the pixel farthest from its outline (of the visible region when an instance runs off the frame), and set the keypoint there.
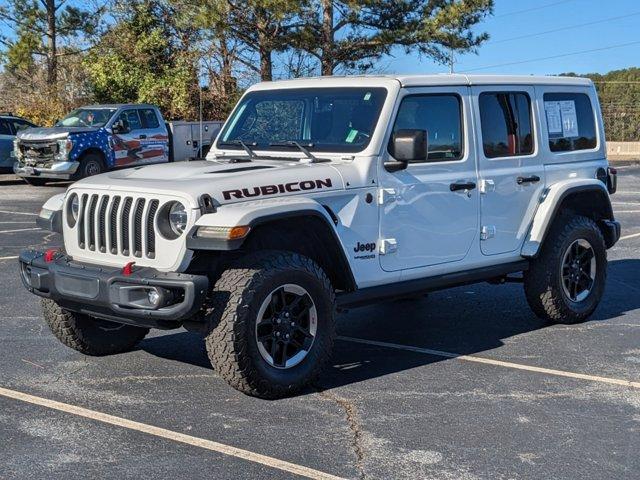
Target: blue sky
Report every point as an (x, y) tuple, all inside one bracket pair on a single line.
[(510, 20)]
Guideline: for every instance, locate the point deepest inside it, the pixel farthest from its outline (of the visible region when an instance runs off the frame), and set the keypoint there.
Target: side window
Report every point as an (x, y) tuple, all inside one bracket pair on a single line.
[(505, 118), (441, 116), (149, 118), (131, 119), (570, 122), (19, 125), (5, 129)]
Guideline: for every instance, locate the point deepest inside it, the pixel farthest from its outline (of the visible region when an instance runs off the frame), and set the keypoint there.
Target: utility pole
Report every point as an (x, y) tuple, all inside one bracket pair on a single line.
[(451, 60)]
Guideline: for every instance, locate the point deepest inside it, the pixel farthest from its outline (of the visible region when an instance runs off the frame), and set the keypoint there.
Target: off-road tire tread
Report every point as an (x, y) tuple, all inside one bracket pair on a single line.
[(67, 327), (232, 294), (545, 300)]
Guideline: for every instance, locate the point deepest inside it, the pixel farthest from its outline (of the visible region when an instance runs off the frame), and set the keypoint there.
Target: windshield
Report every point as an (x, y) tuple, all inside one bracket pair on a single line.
[(87, 117), (320, 119)]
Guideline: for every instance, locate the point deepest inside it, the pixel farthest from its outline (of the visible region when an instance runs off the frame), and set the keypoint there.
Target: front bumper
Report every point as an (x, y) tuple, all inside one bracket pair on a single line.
[(107, 293), (58, 170)]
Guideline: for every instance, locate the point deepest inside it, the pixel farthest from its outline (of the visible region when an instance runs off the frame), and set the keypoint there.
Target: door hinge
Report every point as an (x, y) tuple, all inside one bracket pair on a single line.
[(386, 195), (487, 186), (487, 232), (388, 245)]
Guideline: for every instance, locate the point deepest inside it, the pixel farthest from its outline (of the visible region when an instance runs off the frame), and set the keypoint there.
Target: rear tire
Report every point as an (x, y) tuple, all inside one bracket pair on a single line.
[(90, 165), (566, 282), (89, 335), (273, 326)]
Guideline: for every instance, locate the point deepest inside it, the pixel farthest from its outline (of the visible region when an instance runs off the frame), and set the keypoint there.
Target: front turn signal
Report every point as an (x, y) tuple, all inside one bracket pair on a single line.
[(223, 233)]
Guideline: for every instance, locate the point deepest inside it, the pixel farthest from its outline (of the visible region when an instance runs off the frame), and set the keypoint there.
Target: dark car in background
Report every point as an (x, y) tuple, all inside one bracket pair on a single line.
[(10, 125)]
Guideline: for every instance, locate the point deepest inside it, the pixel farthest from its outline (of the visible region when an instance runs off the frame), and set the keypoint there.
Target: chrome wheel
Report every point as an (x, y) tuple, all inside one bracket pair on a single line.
[(286, 326), (578, 273)]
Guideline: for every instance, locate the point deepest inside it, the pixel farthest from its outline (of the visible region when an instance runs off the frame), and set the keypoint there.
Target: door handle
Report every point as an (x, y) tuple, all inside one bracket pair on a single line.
[(142, 137), (454, 187), (531, 179)]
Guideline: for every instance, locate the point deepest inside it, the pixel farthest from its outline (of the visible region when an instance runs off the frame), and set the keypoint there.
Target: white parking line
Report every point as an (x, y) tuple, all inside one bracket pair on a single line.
[(499, 363), (625, 203), (627, 211), (171, 435), (627, 237), (19, 213), (19, 230), (8, 258)]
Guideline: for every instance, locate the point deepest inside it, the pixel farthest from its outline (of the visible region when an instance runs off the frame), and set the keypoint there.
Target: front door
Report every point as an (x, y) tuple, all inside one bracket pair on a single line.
[(510, 167), (429, 211), (145, 139)]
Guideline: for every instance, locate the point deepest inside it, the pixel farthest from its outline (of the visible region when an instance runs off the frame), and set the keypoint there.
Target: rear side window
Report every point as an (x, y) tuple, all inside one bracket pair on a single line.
[(19, 125), (570, 122), (441, 116), (149, 118), (506, 124), (5, 129)]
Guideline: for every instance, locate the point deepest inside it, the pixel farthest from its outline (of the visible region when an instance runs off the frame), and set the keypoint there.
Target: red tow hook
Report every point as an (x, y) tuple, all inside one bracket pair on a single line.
[(127, 270), (50, 255)]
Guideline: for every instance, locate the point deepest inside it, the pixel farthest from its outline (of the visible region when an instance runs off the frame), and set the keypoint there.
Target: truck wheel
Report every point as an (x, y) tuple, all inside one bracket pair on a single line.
[(273, 324), (90, 165), (36, 182), (89, 335), (566, 282)]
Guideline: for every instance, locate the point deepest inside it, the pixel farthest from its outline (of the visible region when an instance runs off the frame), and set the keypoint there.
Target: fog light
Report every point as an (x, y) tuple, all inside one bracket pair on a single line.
[(154, 297)]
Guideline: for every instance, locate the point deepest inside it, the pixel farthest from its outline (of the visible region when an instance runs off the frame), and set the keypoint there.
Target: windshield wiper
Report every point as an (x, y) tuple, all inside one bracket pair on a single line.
[(299, 146), (246, 147)]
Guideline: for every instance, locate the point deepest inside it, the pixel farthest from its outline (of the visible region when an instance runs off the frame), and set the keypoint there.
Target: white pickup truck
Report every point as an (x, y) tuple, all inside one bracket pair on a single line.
[(330, 193)]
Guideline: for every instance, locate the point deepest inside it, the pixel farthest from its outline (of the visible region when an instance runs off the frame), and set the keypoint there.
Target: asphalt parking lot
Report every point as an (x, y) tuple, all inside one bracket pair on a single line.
[(464, 384)]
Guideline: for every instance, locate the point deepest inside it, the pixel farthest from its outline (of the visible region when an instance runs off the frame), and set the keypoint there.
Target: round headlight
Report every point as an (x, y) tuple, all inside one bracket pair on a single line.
[(178, 218), (75, 207), (73, 210)]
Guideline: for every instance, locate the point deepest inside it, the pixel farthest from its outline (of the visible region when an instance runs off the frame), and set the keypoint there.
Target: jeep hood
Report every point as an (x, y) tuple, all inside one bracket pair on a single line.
[(54, 133), (225, 182)]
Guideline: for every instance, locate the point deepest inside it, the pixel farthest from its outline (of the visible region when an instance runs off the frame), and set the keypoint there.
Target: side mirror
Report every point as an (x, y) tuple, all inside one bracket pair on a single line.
[(407, 146), (119, 127)]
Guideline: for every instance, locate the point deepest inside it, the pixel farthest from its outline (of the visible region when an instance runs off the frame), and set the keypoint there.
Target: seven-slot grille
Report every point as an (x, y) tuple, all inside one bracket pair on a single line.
[(117, 225)]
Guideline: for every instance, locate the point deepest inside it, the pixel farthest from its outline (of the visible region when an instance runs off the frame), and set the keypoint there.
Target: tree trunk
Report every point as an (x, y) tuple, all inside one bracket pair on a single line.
[(52, 50), (266, 65), (327, 60)]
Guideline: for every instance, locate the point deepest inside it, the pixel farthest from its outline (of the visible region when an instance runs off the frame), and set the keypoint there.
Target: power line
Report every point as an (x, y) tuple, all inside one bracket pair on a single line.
[(553, 56), (540, 7), (563, 28)]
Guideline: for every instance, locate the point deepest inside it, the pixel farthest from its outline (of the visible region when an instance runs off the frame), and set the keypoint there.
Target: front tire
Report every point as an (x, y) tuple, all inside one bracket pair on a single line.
[(89, 335), (273, 324), (566, 282), (90, 165)]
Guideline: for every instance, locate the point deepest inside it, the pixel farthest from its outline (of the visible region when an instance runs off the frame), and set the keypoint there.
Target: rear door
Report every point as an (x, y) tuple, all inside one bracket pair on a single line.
[(511, 171), (429, 211)]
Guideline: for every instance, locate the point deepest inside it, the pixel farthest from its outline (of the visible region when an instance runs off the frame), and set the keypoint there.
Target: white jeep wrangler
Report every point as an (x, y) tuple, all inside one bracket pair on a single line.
[(329, 193)]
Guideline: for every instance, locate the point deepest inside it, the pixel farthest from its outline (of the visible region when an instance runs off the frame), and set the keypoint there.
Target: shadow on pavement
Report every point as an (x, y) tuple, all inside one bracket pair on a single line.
[(465, 320)]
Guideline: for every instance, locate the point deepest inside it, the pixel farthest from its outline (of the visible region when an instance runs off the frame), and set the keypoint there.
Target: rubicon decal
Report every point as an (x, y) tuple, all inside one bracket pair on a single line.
[(305, 185)]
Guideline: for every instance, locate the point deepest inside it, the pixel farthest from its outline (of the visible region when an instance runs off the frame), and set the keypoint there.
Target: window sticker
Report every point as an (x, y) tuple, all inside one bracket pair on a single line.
[(367, 97), (554, 118), (569, 119), (562, 118), (351, 136)]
